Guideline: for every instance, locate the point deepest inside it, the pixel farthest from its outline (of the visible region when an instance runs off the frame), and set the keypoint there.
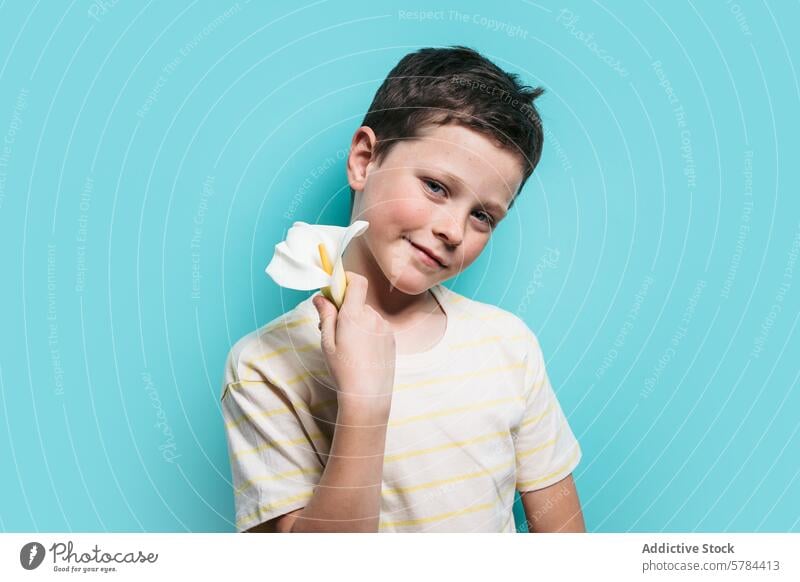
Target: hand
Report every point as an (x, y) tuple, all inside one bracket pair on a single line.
[(359, 348)]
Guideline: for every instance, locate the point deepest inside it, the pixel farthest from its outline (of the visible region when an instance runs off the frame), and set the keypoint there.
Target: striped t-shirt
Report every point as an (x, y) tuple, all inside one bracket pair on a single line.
[(471, 420)]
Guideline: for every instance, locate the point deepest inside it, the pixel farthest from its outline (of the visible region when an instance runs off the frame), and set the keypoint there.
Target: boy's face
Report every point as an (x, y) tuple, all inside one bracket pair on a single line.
[(445, 190)]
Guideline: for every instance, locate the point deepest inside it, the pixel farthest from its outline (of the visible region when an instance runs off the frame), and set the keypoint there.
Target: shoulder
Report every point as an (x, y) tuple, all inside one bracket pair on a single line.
[(483, 314), (478, 318), (253, 356)]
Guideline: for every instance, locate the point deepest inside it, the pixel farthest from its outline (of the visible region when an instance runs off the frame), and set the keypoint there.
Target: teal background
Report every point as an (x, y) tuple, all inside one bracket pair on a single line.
[(153, 154)]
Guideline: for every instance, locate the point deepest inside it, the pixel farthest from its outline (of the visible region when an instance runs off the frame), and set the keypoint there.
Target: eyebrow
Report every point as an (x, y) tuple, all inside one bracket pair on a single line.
[(491, 204)]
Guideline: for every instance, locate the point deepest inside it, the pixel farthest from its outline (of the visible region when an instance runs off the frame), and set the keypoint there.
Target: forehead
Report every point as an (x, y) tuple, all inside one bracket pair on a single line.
[(466, 155)]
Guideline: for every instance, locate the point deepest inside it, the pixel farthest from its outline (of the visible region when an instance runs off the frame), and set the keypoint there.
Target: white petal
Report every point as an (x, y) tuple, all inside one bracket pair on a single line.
[(351, 232), (288, 272), (303, 241), (339, 278), (296, 263)]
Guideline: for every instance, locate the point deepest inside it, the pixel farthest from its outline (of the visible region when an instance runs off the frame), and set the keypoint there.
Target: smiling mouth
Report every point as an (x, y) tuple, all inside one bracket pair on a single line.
[(432, 258)]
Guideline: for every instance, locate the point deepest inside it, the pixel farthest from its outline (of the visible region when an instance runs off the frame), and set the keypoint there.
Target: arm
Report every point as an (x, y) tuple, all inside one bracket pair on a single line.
[(348, 496), (280, 524), (359, 349), (554, 509)]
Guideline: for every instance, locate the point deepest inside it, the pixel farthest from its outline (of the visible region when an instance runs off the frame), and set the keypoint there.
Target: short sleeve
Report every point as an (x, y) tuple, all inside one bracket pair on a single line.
[(274, 464), (545, 448)]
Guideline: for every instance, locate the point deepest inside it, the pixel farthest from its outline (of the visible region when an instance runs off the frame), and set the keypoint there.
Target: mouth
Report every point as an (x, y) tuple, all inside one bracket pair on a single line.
[(431, 257)]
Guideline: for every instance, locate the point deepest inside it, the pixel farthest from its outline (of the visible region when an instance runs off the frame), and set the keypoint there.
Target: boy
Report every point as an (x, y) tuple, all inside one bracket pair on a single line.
[(412, 408)]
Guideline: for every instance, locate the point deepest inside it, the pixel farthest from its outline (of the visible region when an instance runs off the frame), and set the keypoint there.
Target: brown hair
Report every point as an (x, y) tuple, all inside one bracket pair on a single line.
[(456, 85)]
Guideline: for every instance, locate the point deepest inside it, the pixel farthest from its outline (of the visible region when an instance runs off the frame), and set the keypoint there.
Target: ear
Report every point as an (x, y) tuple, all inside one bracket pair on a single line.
[(361, 153)]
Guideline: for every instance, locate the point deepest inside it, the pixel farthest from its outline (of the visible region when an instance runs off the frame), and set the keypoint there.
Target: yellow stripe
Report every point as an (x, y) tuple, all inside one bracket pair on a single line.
[(270, 506), (535, 388), (541, 447), (449, 411), (278, 411), (501, 498), (437, 482), (287, 325), (522, 484), (457, 377), (444, 447), (276, 443), (270, 412), (280, 351), (292, 380), (525, 423), (299, 405), (438, 517), (315, 345), (304, 375), (293, 473)]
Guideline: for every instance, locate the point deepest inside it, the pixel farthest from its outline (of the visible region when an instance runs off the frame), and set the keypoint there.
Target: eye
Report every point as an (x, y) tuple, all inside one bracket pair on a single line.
[(489, 219), (432, 185)]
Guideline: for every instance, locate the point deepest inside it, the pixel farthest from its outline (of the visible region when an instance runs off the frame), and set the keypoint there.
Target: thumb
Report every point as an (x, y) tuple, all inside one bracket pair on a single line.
[(327, 321)]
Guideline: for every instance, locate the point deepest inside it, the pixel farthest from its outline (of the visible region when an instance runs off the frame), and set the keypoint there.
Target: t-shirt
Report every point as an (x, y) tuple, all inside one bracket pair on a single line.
[(472, 419)]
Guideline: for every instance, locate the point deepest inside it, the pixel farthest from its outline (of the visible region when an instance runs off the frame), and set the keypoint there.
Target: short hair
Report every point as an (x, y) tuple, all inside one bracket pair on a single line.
[(436, 86)]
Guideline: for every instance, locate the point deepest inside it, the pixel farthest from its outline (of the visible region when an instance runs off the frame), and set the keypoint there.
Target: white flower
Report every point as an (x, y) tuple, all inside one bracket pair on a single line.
[(311, 258)]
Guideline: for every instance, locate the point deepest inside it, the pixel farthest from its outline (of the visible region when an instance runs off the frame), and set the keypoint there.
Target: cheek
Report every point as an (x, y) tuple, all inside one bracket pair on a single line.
[(400, 213), (411, 212)]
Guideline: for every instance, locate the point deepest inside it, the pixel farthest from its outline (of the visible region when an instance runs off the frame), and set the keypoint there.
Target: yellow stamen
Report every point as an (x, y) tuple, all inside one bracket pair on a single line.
[(326, 262), (328, 268)]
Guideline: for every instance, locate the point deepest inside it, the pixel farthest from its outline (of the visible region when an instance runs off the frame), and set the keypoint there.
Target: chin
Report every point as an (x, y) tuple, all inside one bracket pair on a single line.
[(415, 285), (403, 274), (409, 280)]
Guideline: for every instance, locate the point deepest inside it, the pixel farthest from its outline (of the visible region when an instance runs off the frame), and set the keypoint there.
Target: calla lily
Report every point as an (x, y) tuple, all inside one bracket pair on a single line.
[(311, 258)]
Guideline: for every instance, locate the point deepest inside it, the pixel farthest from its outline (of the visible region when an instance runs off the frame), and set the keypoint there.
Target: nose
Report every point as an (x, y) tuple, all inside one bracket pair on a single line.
[(447, 228)]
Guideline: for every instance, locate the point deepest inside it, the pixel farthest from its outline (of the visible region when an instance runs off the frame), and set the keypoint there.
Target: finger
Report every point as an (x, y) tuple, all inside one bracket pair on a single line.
[(356, 293), (327, 321)]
